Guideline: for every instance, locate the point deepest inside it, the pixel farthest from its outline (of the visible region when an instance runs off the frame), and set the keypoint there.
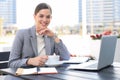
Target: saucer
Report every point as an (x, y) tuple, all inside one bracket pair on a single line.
[(57, 63)]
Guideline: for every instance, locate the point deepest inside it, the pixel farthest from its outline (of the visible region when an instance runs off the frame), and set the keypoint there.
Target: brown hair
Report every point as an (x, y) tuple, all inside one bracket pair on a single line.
[(42, 6)]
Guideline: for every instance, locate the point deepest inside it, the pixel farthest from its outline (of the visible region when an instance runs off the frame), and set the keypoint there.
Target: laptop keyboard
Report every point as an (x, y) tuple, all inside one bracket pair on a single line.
[(92, 66)]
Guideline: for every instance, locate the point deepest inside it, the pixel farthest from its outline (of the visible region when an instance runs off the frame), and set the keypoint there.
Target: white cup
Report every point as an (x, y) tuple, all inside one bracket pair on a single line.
[(53, 59)]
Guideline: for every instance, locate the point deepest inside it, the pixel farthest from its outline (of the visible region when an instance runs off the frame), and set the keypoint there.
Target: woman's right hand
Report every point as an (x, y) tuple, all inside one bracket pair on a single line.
[(37, 61)]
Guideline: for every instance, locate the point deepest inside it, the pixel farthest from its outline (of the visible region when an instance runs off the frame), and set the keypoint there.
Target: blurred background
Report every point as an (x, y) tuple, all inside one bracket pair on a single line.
[(75, 21)]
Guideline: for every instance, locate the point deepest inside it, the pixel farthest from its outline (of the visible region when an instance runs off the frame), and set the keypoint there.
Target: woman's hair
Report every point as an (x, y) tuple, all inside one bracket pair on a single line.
[(42, 6)]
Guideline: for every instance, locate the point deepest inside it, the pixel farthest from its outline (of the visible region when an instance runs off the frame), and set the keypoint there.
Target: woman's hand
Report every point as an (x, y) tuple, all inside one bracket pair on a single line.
[(46, 31), (37, 61)]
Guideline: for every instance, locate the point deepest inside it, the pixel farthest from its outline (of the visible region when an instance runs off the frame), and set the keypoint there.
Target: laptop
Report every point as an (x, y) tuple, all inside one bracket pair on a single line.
[(106, 55)]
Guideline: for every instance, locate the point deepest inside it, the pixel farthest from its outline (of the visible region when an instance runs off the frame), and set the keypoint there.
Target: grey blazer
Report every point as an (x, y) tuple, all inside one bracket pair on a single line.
[(25, 47)]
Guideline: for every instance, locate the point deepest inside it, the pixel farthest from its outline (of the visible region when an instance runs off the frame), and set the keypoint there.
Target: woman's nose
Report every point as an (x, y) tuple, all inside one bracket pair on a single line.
[(44, 19)]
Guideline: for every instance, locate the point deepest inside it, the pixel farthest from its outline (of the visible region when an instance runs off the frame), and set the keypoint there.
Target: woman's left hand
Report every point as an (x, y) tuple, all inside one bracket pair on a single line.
[(46, 31)]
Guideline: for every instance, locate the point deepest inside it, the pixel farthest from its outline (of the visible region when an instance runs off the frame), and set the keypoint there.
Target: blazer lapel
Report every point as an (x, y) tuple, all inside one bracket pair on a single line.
[(47, 45), (33, 40), (34, 45)]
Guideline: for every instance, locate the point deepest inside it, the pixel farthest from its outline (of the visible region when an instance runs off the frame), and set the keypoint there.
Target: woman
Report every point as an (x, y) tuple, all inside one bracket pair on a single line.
[(31, 46)]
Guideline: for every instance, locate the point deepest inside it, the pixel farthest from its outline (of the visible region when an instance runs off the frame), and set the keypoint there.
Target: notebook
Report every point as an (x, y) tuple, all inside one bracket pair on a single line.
[(106, 55), (36, 70)]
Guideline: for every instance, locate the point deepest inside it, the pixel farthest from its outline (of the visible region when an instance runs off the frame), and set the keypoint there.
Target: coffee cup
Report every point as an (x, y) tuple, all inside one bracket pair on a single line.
[(53, 59)]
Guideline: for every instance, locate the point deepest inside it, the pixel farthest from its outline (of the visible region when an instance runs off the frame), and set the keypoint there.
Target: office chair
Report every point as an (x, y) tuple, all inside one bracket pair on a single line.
[(4, 58)]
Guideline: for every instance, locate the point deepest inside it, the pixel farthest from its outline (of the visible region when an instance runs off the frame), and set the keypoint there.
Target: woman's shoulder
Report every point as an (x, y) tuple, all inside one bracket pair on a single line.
[(22, 31)]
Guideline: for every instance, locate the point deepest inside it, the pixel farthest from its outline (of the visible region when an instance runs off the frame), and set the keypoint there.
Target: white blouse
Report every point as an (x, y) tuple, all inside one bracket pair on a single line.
[(41, 45)]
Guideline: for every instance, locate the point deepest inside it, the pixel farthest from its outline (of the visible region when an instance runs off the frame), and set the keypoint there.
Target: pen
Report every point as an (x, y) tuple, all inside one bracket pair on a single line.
[(38, 69), (88, 59)]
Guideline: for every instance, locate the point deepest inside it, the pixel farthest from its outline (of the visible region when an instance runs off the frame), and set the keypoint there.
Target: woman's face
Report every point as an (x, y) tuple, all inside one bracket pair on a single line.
[(42, 19)]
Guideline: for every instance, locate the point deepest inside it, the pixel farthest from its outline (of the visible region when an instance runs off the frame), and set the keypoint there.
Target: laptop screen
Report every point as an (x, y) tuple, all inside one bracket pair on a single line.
[(107, 50)]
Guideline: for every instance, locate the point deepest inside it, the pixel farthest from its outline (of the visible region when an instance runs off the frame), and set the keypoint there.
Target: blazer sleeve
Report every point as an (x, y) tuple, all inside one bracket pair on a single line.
[(61, 49), (15, 59)]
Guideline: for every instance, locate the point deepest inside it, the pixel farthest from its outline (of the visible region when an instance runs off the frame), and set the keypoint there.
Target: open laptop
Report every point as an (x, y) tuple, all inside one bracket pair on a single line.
[(106, 55)]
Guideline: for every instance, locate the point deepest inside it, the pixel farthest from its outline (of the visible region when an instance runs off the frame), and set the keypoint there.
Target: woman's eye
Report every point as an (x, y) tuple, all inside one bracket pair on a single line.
[(41, 16), (48, 17)]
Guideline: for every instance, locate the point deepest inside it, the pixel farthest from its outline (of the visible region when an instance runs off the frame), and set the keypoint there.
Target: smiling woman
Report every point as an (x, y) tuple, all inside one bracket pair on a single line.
[(32, 46)]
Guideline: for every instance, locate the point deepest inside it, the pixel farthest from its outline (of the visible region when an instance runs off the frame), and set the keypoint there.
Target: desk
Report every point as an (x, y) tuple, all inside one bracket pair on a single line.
[(109, 73)]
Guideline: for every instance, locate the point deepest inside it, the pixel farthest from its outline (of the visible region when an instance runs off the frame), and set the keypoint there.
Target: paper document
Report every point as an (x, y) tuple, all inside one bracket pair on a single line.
[(77, 60), (42, 70)]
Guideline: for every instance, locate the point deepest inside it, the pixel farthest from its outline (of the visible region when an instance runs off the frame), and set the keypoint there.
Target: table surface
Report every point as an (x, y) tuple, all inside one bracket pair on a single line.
[(110, 73)]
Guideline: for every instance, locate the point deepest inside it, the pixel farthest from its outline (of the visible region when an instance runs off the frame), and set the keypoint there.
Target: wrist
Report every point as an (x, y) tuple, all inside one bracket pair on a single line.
[(56, 39), (29, 61), (54, 36)]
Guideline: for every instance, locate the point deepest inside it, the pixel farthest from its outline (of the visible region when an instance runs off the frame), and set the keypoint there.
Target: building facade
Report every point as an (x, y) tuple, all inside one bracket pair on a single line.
[(102, 15), (8, 12)]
